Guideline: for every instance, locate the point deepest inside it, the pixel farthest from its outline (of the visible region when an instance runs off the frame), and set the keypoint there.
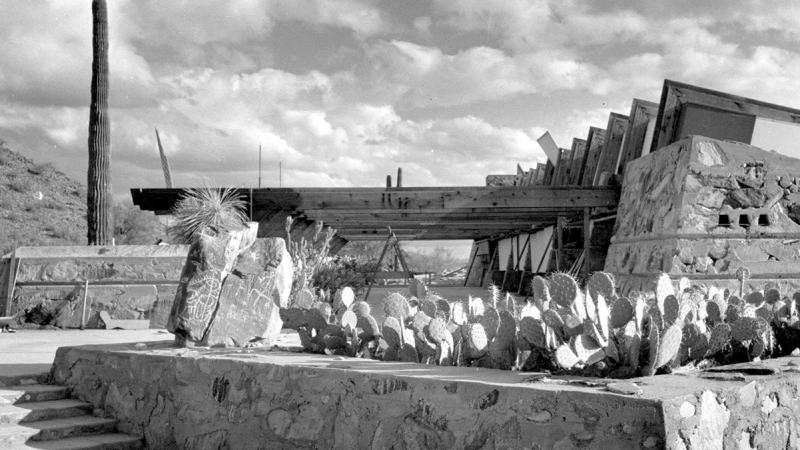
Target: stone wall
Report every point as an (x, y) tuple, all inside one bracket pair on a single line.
[(702, 208), (249, 399), (130, 282), (254, 398)]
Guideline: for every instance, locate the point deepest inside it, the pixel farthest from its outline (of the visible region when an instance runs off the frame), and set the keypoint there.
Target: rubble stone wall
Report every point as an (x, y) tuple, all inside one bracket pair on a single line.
[(255, 398), (130, 282), (702, 208), (251, 399)]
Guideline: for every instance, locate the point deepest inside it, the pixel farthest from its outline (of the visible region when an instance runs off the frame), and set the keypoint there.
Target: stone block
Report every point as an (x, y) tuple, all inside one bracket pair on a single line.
[(252, 295)]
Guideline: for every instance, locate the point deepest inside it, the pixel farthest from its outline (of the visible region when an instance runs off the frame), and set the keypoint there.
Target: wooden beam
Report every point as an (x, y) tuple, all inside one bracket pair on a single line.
[(595, 142), (609, 156), (578, 155), (561, 176), (642, 113), (674, 95)]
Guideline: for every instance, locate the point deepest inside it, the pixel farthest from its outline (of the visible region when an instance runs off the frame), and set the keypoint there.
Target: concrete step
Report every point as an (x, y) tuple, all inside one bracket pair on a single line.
[(46, 430), (46, 410), (32, 393), (105, 441)]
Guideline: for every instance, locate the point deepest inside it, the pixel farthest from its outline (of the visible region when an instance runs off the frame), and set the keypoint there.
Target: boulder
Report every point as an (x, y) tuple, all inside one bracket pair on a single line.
[(208, 263), (252, 295)]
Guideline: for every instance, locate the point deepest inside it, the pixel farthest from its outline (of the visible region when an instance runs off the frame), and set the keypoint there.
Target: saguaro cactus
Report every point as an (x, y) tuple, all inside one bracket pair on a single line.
[(98, 197)]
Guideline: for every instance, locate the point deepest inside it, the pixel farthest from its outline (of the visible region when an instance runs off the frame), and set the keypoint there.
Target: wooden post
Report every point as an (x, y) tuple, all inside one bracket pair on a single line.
[(559, 242), (471, 261), (587, 239), (83, 307), (13, 270), (388, 181), (399, 177)]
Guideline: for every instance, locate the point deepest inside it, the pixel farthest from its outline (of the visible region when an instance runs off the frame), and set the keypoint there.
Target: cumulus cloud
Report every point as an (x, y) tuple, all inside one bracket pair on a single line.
[(450, 91)]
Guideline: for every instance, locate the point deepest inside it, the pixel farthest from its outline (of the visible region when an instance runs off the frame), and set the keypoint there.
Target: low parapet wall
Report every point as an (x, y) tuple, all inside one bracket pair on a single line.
[(128, 281), (248, 398)]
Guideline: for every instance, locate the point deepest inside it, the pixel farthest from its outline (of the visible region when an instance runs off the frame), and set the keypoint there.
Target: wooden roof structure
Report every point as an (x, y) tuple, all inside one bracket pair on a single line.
[(413, 213)]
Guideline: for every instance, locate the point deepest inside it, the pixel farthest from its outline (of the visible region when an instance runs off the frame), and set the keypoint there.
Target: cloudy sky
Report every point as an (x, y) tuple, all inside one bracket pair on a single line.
[(342, 92)]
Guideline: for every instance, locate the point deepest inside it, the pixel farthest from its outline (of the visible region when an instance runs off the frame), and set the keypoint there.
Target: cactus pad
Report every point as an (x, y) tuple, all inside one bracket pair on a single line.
[(754, 298), (531, 310), (621, 313), (315, 319), (732, 313), (437, 332), (587, 349), (664, 288), (476, 307), (293, 318), (532, 331), (506, 330), (459, 313), (428, 306), (540, 289), (361, 308), (772, 295), (475, 340), (443, 309), (349, 320), (670, 309), (304, 299), (392, 332), (713, 312), (745, 329), (574, 326), (601, 283), (565, 357), (345, 297), (395, 305), (668, 345), (603, 315), (563, 289), (369, 327), (490, 321)]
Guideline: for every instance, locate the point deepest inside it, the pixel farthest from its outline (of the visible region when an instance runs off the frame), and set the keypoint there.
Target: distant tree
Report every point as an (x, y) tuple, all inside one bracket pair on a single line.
[(133, 226), (98, 197)]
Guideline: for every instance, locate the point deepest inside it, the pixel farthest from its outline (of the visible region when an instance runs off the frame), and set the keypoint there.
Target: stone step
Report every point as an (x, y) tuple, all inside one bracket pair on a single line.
[(24, 380), (46, 410), (47, 430), (32, 393), (105, 441)]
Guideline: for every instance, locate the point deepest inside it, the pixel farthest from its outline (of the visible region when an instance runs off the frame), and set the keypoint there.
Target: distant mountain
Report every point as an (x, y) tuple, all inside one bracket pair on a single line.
[(38, 204)]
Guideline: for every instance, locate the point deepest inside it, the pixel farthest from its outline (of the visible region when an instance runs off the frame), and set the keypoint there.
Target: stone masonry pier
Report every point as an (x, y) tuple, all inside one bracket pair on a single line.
[(255, 398)]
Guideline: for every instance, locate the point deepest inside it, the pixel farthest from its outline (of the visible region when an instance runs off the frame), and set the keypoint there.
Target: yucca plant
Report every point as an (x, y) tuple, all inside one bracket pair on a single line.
[(206, 209)]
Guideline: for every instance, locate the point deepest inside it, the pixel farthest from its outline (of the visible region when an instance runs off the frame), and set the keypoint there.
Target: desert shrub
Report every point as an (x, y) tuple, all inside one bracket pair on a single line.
[(133, 226), (206, 209), (341, 271), (308, 255), (20, 185), (38, 169)]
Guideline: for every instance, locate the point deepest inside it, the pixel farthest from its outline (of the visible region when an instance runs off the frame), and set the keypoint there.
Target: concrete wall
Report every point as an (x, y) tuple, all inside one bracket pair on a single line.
[(130, 282), (675, 204)]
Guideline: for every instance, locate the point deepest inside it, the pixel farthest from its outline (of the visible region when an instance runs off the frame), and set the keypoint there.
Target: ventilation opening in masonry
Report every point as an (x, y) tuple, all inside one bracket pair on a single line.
[(763, 220), (724, 220), (744, 221)]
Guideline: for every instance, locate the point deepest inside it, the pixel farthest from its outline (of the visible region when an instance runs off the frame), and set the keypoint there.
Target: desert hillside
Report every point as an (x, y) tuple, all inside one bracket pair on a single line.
[(38, 204)]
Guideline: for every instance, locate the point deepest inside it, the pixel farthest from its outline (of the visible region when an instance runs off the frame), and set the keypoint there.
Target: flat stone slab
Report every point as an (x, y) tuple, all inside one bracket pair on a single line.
[(252, 398)]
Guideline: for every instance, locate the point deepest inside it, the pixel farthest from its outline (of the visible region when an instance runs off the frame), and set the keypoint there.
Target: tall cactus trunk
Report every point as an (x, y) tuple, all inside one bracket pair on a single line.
[(98, 197)]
